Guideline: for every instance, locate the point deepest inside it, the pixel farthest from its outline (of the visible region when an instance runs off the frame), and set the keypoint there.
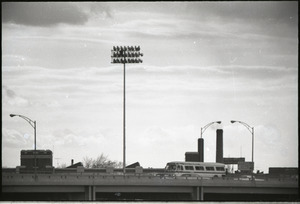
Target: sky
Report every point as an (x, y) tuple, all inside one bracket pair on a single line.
[(202, 62)]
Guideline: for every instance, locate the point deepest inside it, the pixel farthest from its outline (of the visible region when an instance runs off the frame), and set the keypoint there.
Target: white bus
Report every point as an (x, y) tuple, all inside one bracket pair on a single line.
[(195, 169)]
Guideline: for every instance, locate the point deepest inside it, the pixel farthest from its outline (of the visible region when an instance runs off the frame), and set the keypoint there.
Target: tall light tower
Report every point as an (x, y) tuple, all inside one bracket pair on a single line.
[(123, 55)]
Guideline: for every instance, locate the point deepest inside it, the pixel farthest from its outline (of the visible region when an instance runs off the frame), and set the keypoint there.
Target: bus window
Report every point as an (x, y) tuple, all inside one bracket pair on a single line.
[(189, 168), (171, 167), (220, 169), (180, 168), (210, 168), (199, 168)]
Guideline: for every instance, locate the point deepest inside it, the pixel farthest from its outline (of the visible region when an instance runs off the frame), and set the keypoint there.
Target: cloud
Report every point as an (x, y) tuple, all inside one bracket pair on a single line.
[(85, 140), (208, 21), (269, 136), (282, 12), (158, 142), (258, 72), (94, 86), (84, 88), (166, 27), (101, 8), (13, 138), (16, 60), (11, 98), (228, 11), (46, 14), (286, 12), (184, 80), (42, 13)]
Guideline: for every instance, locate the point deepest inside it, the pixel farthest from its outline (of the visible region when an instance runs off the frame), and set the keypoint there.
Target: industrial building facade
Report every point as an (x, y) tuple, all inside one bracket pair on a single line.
[(36, 160), (243, 166)]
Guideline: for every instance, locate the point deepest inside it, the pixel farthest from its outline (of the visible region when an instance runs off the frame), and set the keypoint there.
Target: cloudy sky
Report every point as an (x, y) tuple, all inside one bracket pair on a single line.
[(203, 62)]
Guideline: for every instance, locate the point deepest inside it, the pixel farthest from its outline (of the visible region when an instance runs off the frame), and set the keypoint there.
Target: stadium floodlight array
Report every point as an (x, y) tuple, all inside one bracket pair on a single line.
[(126, 54)]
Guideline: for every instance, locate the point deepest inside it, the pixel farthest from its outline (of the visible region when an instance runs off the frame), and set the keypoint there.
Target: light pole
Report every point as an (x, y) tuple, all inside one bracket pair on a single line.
[(33, 124), (123, 55), (201, 141), (251, 130), (206, 126)]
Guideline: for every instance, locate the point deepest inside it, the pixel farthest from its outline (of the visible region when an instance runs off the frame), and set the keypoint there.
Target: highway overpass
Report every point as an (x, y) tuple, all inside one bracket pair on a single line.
[(83, 184)]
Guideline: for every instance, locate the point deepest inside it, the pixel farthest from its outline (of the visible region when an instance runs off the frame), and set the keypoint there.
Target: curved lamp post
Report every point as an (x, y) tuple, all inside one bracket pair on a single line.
[(251, 130), (206, 126), (33, 124)]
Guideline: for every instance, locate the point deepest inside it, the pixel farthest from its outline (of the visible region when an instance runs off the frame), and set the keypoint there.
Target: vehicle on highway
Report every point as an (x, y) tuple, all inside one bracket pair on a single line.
[(195, 169), (247, 178)]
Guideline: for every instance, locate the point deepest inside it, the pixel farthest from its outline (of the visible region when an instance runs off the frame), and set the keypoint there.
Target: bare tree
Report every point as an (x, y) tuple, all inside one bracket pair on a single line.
[(101, 161), (87, 162)]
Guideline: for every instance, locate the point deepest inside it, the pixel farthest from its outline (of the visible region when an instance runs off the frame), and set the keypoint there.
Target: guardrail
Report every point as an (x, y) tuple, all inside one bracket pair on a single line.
[(7, 177), (131, 172)]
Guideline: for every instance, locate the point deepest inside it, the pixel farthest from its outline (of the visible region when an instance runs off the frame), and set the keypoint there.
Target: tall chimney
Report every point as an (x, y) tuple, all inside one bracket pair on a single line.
[(219, 146), (201, 149), (72, 162)]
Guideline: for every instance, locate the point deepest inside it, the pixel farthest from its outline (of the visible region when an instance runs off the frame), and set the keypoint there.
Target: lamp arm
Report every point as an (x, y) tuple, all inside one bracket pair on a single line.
[(206, 126), (31, 122), (247, 126)]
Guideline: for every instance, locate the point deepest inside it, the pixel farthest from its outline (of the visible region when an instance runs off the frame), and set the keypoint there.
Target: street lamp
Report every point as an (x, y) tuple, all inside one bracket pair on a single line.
[(33, 124), (123, 55), (201, 141), (206, 126), (251, 130)]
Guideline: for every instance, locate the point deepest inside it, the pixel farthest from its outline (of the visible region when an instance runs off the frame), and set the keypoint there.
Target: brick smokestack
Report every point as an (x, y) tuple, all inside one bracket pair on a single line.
[(219, 146), (201, 149)]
